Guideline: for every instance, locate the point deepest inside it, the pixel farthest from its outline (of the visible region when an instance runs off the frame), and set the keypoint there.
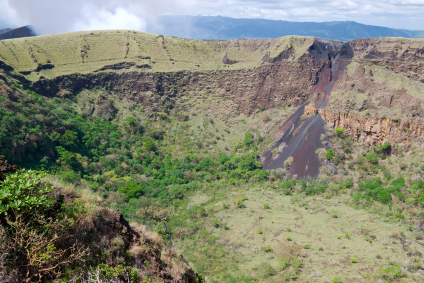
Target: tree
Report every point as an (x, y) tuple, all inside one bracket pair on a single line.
[(289, 162), (330, 154), (385, 148), (66, 157), (32, 239), (340, 132), (131, 190), (372, 157), (69, 139), (158, 215), (130, 121), (150, 145), (247, 163), (248, 139), (132, 125)]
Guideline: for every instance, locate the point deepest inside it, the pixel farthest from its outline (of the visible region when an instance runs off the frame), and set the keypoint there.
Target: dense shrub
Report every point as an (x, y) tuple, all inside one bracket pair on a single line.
[(248, 139), (340, 132), (372, 157), (360, 160), (374, 190), (70, 176), (131, 190), (23, 192), (150, 145), (330, 154)]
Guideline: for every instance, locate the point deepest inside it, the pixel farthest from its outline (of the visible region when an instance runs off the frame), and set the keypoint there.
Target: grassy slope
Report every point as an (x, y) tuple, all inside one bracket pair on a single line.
[(210, 123), (85, 52), (234, 257), (239, 252)]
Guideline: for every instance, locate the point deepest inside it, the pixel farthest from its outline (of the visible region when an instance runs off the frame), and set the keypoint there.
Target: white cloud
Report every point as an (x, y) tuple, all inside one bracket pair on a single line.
[(51, 16), (95, 18), (8, 15)]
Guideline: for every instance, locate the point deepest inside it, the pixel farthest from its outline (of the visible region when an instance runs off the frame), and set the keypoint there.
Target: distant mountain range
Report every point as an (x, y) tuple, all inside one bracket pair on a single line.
[(4, 30), (8, 33), (211, 27), (224, 28)]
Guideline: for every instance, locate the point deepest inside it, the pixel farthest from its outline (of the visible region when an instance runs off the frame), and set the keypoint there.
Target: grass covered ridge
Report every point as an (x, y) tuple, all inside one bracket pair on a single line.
[(50, 56)]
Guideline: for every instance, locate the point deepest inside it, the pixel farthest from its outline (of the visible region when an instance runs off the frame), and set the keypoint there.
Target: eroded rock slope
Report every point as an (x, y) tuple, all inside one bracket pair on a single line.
[(372, 87)]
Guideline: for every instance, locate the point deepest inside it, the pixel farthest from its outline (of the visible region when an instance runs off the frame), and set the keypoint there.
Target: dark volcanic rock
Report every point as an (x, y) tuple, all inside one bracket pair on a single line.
[(300, 139), (6, 168)]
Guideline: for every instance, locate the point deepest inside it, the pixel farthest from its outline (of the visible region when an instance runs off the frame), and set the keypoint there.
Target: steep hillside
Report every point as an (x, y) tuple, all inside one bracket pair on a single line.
[(162, 73), (54, 231), (51, 56), (204, 127)]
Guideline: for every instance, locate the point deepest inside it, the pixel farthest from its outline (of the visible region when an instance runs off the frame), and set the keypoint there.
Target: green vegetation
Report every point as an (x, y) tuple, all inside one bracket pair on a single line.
[(185, 163), (339, 132), (317, 222), (330, 154), (21, 192), (194, 184), (42, 237), (109, 155), (267, 249), (84, 52), (373, 190)]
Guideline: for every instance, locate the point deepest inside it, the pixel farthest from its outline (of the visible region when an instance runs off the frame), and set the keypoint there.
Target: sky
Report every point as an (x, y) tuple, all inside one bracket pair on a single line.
[(55, 16)]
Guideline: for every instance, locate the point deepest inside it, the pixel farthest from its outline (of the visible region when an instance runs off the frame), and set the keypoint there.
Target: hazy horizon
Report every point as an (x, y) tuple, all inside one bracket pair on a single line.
[(52, 16)]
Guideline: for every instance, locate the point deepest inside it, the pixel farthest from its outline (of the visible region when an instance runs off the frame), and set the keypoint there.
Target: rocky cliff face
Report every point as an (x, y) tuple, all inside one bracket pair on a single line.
[(374, 131), (353, 84), (269, 86)]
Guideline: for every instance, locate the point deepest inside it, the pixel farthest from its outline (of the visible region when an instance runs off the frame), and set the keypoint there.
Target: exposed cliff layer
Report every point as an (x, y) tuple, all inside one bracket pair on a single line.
[(268, 86), (370, 78), (374, 131)]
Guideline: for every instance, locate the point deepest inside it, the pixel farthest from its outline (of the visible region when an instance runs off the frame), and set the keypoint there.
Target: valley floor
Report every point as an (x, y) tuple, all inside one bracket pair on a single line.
[(282, 237)]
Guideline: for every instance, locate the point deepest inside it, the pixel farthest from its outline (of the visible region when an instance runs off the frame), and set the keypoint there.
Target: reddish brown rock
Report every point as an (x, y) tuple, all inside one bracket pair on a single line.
[(374, 131)]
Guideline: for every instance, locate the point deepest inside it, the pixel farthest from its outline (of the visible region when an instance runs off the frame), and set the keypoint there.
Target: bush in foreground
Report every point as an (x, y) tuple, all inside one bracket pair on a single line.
[(56, 234)]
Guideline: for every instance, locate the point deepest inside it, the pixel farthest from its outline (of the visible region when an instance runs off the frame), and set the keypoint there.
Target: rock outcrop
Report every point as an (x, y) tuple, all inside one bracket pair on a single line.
[(374, 131), (6, 168), (162, 74)]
